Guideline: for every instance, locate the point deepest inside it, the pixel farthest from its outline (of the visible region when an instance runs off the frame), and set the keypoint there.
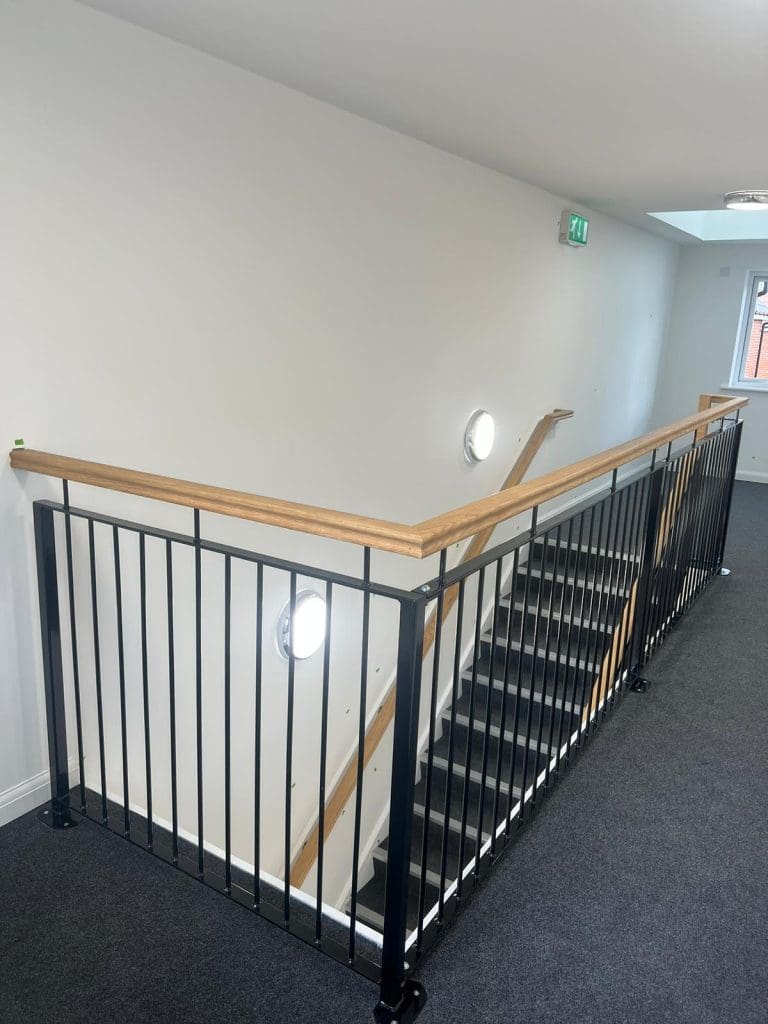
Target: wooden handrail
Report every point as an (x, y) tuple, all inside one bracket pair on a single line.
[(417, 541), (450, 527), (345, 787), (375, 533)]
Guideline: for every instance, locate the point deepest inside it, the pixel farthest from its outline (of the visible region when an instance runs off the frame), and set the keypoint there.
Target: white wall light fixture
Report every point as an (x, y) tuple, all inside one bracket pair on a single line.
[(479, 436), (753, 199), (302, 637)]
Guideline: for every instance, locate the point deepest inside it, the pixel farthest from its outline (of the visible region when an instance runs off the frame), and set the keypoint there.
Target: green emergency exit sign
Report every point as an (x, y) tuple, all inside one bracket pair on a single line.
[(574, 229)]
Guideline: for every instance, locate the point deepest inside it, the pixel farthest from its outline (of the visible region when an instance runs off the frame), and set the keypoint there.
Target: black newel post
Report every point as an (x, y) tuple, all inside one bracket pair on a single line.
[(58, 814), (401, 997)]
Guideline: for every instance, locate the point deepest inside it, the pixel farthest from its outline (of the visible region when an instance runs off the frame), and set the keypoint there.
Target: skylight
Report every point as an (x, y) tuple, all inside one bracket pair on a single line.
[(719, 225)]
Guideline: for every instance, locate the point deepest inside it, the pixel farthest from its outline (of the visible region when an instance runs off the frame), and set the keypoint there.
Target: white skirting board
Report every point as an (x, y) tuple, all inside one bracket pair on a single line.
[(24, 797), (750, 477), (31, 793)]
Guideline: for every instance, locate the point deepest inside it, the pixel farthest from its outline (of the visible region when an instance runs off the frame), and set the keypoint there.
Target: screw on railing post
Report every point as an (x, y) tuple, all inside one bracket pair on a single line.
[(645, 580), (401, 998), (58, 815)]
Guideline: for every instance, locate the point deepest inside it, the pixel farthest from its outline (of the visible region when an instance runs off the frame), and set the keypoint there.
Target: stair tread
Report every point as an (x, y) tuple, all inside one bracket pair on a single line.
[(580, 605)]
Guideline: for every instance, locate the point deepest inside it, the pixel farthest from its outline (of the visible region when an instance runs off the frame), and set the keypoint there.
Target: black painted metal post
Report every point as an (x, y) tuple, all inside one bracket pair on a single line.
[(401, 999), (727, 512), (645, 579), (53, 672)]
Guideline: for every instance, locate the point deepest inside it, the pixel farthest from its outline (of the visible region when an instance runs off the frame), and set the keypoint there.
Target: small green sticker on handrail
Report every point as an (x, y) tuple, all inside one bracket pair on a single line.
[(19, 442)]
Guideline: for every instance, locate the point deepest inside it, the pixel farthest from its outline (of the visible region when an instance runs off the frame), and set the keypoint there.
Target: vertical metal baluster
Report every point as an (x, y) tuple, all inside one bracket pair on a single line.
[(561, 671), (720, 489), (470, 730), (731, 464), (606, 663), (693, 522), (697, 571), (487, 730), (73, 636), (199, 693), (360, 751), (711, 509), (651, 533), (145, 684), (289, 754), (172, 701), (451, 750), (730, 456), (257, 740), (634, 576), (546, 670), (575, 647), (623, 585), (601, 568), (727, 467), (688, 514), (654, 611), (586, 697), (715, 504), (121, 671), (679, 538), (431, 742), (601, 659), (97, 670), (667, 552), (505, 702), (519, 673), (674, 545), (532, 682), (323, 762), (227, 724), (631, 577)]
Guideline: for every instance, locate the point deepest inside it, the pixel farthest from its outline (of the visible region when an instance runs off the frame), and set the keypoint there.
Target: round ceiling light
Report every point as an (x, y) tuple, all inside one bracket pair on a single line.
[(302, 637), (754, 199), (479, 436)]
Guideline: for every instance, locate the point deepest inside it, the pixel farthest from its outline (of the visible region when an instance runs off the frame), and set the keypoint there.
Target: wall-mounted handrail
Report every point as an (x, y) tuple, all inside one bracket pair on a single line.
[(384, 714), (417, 541)]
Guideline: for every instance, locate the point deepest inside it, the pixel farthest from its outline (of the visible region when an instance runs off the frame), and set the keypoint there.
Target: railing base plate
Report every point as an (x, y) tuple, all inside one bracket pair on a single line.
[(56, 820), (413, 1000), (639, 684)]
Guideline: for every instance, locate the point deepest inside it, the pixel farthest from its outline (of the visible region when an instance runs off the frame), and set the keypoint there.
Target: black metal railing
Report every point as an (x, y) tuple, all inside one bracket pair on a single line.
[(549, 630)]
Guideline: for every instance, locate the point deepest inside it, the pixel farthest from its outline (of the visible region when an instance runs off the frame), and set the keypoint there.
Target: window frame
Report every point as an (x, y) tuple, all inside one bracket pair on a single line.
[(749, 298)]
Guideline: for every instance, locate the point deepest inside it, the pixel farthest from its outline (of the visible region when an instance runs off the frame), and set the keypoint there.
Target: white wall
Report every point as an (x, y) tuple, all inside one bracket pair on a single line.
[(703, 329), (208, 275)]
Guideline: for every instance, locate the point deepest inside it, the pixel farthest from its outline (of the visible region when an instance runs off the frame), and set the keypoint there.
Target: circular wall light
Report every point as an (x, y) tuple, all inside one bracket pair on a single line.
[(302, 637), (751, 199), (479, 436)]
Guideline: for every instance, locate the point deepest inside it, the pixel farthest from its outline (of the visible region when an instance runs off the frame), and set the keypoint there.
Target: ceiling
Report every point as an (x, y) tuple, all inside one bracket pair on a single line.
[(625, 107)]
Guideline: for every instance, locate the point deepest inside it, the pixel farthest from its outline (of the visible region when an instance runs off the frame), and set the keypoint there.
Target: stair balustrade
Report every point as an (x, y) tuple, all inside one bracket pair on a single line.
[(148, 635)]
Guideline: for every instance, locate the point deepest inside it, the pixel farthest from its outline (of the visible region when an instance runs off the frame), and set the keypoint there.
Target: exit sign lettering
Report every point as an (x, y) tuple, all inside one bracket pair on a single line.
[(574, 229)]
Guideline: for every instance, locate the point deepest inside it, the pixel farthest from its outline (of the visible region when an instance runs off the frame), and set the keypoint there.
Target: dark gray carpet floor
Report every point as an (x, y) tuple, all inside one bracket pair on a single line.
[(639, 894)]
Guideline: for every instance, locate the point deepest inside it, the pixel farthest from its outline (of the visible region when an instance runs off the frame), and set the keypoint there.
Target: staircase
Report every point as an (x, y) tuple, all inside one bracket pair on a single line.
[(552, 627)]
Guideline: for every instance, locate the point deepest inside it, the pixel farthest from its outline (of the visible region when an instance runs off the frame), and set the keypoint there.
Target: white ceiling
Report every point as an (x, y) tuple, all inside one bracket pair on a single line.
[(627, 107)]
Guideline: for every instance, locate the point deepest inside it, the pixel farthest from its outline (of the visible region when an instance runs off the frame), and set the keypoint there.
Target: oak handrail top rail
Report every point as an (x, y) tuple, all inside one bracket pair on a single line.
[(417, 541)]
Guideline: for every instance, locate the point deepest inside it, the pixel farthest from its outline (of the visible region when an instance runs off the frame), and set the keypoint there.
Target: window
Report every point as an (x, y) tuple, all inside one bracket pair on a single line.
[(750, 364)]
